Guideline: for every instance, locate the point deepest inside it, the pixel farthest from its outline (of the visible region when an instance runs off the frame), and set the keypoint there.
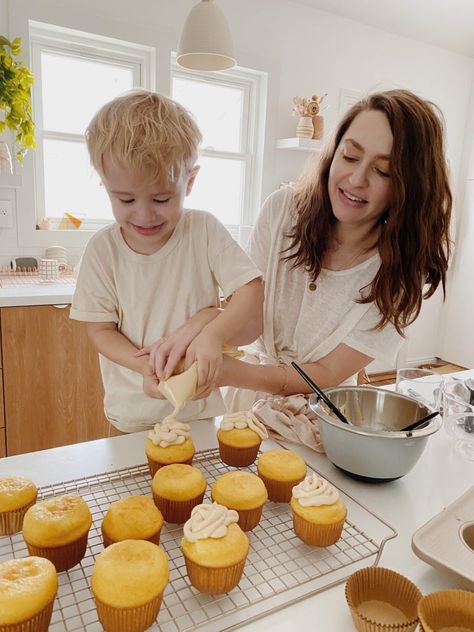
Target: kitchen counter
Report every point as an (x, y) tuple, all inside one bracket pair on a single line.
[(39, 293), (439, 477)]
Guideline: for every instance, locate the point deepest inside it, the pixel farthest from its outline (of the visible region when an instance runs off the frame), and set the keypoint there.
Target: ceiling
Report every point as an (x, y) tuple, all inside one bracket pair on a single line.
[(445, 23)]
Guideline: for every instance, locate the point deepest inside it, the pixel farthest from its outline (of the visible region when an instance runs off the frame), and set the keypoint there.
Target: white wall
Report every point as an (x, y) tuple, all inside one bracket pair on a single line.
[(304, 51)]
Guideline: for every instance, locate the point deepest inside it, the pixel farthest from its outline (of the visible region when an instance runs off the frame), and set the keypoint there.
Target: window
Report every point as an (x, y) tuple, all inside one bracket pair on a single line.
[(76, 73), (229, 109)]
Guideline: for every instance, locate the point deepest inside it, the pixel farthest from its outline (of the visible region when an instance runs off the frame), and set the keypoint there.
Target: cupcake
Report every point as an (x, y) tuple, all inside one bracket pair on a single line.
[(243, 492), (57, 529), (215, 548), (169, 442), (239, 437), (28, 587), (132, 518), (17, 495), (281, 470), (318, 513), (176, 490), (127, 583)]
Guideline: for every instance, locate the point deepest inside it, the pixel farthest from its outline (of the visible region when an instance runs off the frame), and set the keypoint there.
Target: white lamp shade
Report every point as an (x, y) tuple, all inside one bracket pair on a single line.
[(206, 42)]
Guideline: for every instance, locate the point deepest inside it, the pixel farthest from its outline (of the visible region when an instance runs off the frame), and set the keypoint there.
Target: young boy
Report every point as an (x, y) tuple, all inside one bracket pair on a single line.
[(159, 267)]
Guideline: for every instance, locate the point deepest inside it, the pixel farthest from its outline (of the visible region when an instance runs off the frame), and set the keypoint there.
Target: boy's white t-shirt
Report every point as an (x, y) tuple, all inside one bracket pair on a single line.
[(149, 296)]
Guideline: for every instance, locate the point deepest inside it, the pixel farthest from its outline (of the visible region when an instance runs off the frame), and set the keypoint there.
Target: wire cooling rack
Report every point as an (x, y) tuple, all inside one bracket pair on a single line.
[(279, 570)]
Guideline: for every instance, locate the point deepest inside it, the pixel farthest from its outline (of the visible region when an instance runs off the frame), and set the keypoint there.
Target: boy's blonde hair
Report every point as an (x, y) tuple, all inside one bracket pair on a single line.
[(153, 135)]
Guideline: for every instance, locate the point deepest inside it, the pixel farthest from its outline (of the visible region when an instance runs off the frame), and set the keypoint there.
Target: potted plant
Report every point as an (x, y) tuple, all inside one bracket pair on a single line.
[(15, 97)]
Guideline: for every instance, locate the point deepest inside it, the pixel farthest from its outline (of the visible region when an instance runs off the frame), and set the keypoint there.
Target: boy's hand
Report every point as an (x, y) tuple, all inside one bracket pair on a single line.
[(207, 350), (150, 383)]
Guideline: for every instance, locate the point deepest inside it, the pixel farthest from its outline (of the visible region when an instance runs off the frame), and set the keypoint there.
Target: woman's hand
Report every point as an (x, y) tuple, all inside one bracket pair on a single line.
[(207, 351)]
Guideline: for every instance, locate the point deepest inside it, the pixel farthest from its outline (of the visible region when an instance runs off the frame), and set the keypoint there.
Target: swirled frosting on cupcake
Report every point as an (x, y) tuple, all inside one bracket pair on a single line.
[(315, 491), (244, 419), (209, 521), (169, 432)]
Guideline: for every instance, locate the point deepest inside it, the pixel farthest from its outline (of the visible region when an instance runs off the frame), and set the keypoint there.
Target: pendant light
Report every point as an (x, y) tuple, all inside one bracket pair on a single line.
[(206, 42)]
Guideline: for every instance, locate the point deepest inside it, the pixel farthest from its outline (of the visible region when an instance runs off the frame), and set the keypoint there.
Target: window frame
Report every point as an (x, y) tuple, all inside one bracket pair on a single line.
[(73, 43)]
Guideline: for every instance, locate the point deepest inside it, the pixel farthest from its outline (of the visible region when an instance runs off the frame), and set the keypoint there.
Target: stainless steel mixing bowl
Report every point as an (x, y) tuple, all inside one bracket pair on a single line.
[(372, 447)]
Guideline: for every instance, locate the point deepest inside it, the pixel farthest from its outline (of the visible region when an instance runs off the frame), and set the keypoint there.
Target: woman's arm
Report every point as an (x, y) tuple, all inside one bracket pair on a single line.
[(331, 370)]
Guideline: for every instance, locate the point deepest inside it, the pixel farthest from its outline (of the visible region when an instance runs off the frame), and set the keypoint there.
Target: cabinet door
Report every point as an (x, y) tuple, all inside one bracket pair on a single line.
[(52, 384)]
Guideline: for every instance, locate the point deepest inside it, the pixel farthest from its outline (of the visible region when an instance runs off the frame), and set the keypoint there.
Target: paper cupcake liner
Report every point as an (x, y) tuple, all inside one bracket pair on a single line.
[(214, 581), (155, 538), (176, 511), (38, 623), (279, 491), (392, 590), (154, 466), (317, 534), (63, 557), (238, 457), (452, 609), (12, 521), (137, 619)]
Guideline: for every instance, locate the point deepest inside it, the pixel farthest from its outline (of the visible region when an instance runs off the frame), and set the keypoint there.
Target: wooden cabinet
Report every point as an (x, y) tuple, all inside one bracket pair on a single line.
[(52, 388)]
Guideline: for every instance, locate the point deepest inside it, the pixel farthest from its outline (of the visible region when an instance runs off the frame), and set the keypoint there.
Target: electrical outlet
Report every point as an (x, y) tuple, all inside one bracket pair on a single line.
[(6, 214)]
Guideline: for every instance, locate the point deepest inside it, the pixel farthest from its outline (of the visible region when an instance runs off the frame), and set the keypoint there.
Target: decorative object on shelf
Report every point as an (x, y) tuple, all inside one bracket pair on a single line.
[(15, 96), (206, 41), (69, 222), (309, 108), (5, 159)]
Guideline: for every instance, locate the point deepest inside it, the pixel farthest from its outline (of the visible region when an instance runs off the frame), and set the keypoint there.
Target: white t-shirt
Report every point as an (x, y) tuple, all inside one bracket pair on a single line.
[(149, 296), (304, 324)]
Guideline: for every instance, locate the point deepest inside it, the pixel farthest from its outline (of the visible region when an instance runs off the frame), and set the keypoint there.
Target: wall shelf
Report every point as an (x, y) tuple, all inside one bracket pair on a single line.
[(299, 144), (8, 181)]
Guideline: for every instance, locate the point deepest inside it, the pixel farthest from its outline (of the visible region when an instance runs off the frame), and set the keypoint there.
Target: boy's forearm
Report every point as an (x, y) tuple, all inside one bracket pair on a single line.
[(116, 347), (233, 325)]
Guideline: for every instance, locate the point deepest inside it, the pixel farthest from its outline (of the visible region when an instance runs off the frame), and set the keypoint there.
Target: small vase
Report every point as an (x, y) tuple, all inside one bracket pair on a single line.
[(318, 126), (304, 129), (6, 165)]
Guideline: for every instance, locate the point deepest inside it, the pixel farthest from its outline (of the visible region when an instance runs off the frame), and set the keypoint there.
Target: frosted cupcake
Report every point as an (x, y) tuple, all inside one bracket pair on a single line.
[(57, 529), (318, 513), (28, 587), (176, 490), (239, 436), (17, 495), (128, 582), (132, 518), (215, 548), (169, 442)]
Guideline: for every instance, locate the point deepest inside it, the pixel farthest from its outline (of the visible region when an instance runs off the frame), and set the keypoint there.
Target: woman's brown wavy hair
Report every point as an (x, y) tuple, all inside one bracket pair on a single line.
[(414, 243)]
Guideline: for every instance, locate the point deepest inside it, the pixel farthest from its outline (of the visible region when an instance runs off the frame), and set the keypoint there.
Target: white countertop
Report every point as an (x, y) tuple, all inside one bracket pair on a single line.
[(439, 477), (41, 293)]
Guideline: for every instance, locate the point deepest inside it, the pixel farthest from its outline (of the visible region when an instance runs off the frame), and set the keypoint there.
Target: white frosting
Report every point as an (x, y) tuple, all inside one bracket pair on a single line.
[(169, 432), (244, 419), (315, 491), (209, 521)]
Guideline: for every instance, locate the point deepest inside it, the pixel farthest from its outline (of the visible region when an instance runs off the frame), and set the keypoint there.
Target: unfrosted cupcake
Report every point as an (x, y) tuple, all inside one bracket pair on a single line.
[(318, 513), (169, 442), (132, 518), (244, 492), (28, 587), (128, 582), (239, 436), (281, 470), (215, 548), (17, 495), (57, 529), (176, 490)]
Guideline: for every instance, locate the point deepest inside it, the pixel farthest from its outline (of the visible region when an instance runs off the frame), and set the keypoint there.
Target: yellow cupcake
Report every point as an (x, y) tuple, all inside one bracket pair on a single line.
[(281, 470), (215, 548), (57, 529), (132, 518), (318, 513), (128, 582), (17, 495), (243, 492), (169, 442), (28, 587), (176, 490), (239, 437)]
